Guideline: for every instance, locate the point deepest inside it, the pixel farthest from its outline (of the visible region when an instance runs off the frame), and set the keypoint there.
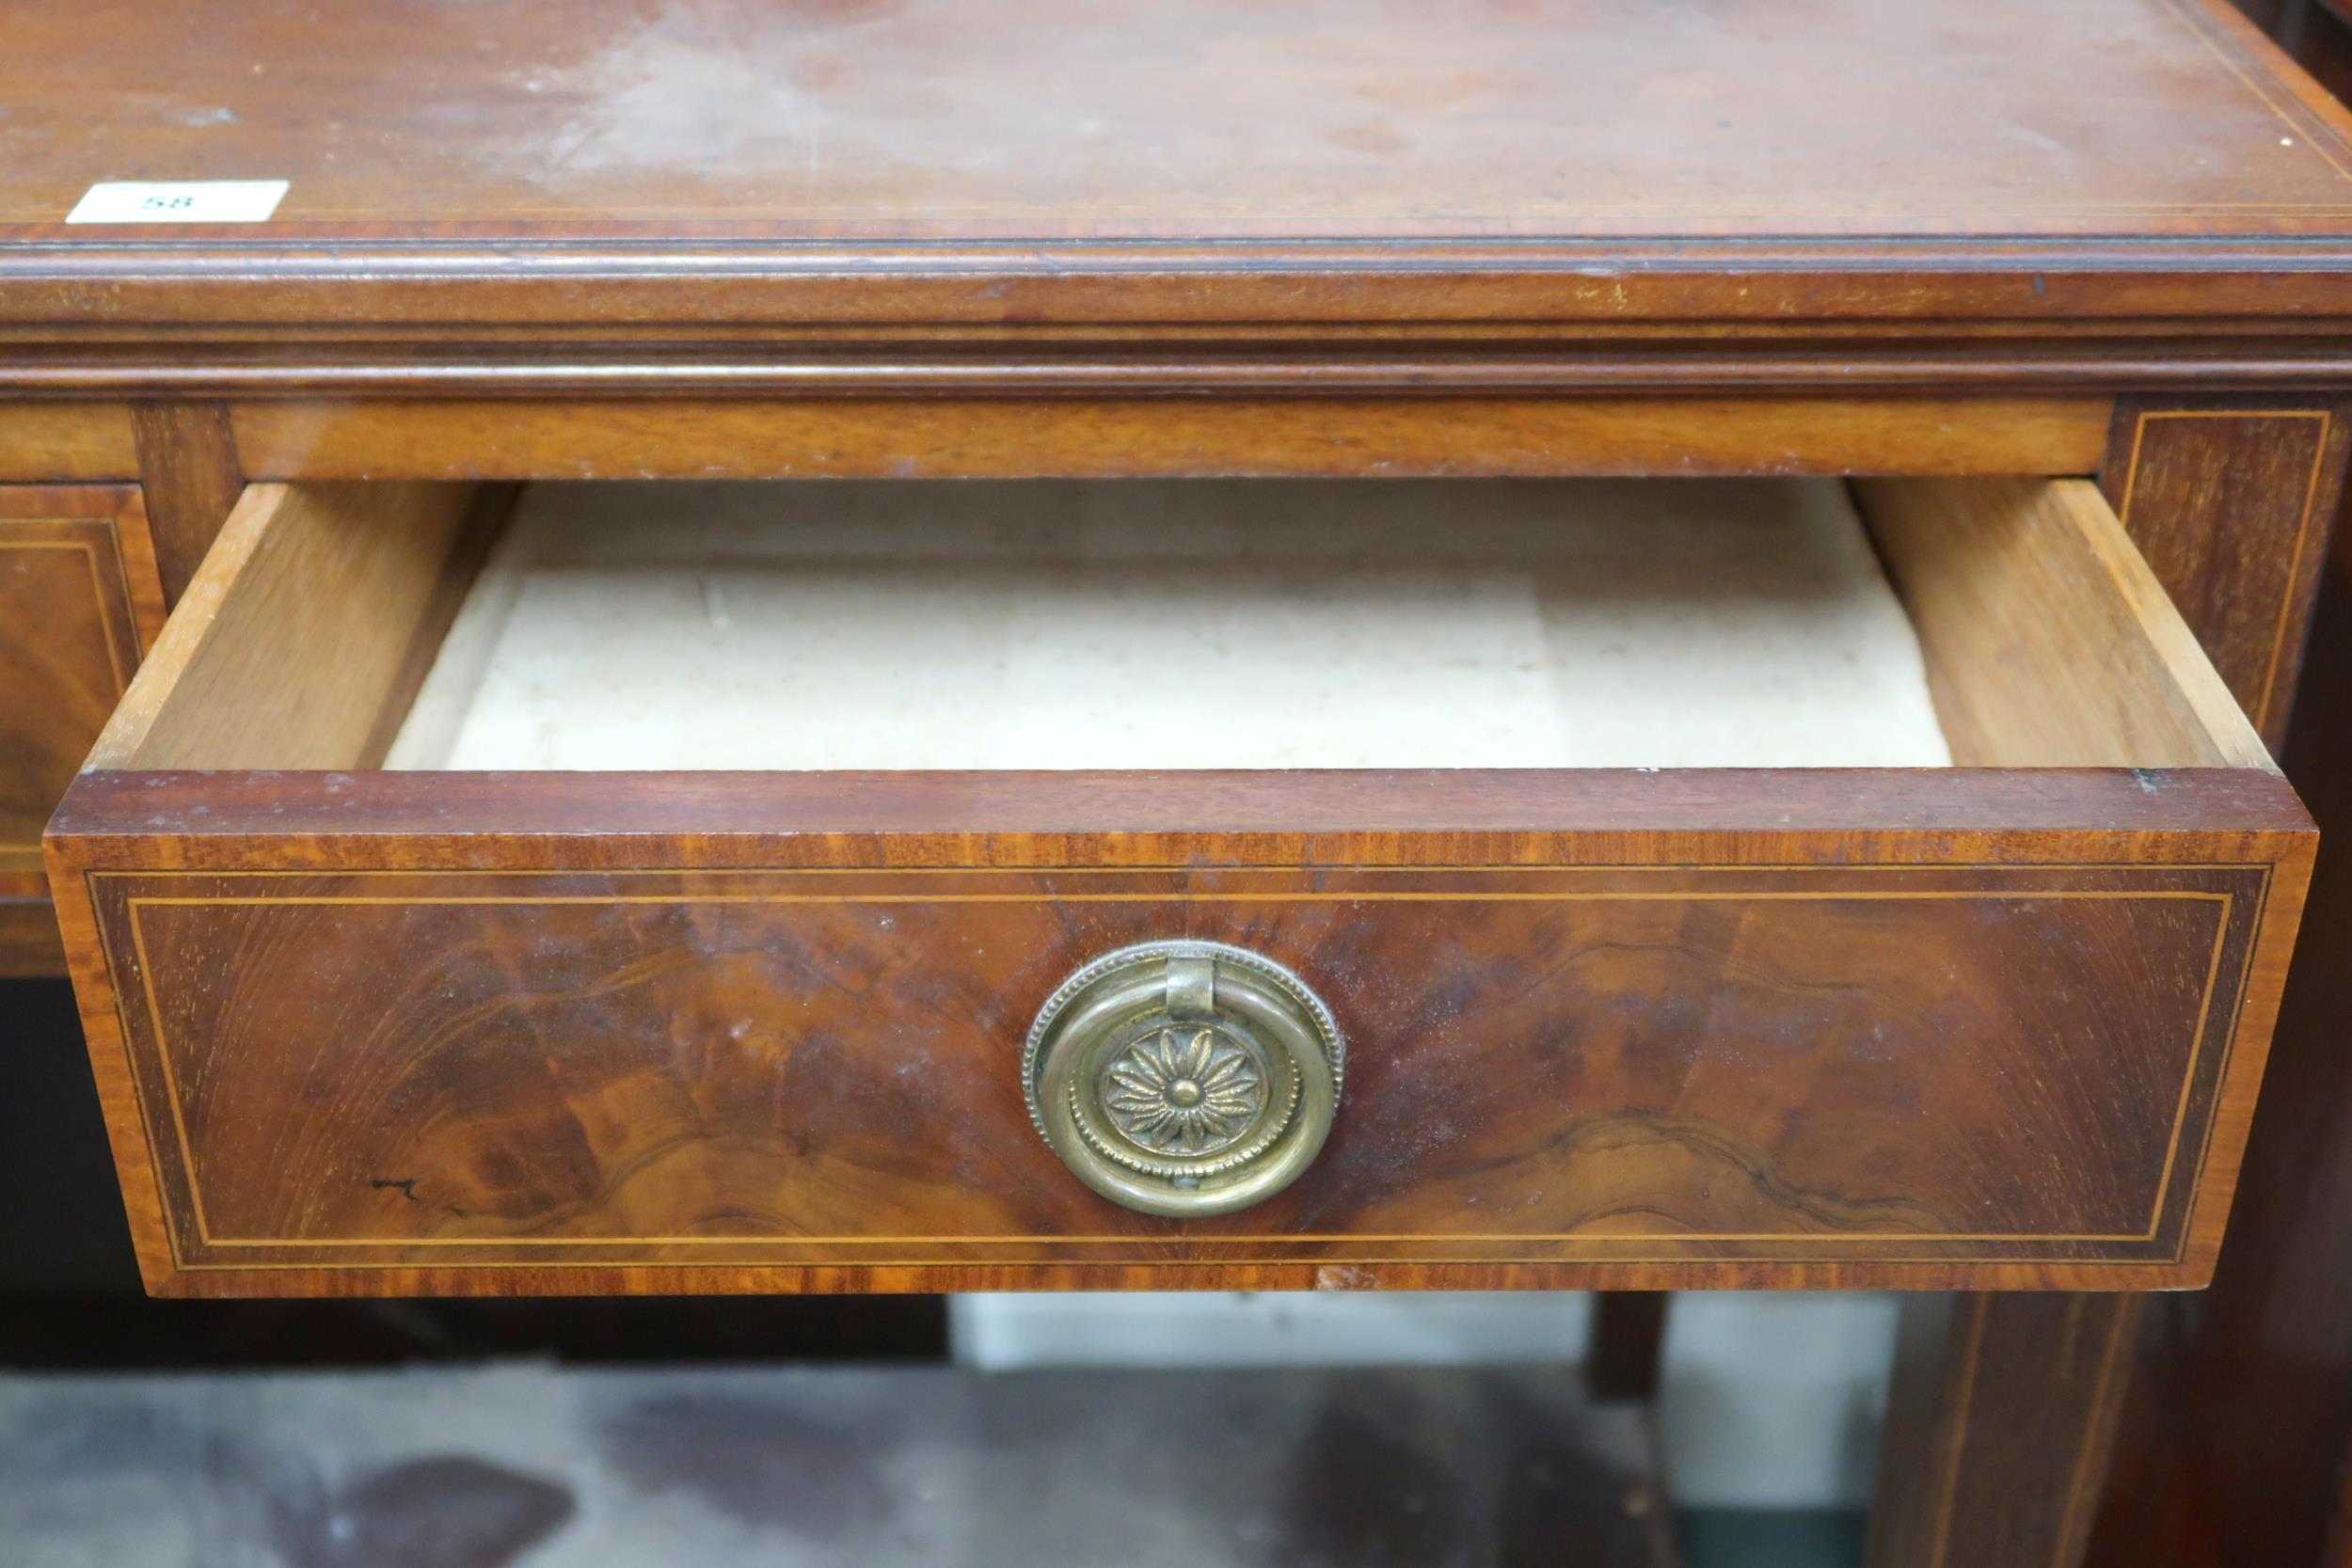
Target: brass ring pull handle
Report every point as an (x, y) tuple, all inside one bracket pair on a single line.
[(1183, 1078)]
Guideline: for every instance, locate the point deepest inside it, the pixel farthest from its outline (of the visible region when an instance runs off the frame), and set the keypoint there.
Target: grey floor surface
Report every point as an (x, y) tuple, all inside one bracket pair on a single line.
[(531, 1466)]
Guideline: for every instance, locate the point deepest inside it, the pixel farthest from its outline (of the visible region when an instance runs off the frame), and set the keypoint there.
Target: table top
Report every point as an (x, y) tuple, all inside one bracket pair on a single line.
[(1207, 138)]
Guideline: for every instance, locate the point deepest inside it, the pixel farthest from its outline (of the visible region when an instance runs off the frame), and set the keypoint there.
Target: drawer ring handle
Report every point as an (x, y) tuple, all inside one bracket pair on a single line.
[(1183, 1078)]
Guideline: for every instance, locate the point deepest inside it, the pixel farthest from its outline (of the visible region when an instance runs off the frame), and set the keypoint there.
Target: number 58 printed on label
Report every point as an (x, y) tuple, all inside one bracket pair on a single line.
[(179, 202)]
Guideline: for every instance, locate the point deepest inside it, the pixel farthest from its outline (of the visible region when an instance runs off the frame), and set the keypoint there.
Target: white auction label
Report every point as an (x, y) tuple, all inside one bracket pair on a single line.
[(179, 202)]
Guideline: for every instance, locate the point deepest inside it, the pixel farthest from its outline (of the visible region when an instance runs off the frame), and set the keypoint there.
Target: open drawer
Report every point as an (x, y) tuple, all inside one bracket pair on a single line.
[(942, 886)]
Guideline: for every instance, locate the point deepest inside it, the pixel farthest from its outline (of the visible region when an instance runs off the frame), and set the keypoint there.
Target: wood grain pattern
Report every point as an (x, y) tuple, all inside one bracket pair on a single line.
[(1998, 1429), (188, 470), (2241, 1418), (78, 601), (1327, 144), (2046, 294), (2231, 506), (2240, 1413), (2111, 938), (2047, 638), (146, 821), (771, 1069), (1076, 817), (1359, 248), (1333, 120), (1105, 436), (302, 639), (59, 443)]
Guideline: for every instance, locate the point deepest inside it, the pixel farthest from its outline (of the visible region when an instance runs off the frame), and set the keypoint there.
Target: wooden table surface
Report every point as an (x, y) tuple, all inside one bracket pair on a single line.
[(1210, 119), (1804, 130)]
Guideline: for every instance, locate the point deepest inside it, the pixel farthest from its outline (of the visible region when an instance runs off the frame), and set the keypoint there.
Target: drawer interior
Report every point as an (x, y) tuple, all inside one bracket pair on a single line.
[(814, 626), (1169, 624)]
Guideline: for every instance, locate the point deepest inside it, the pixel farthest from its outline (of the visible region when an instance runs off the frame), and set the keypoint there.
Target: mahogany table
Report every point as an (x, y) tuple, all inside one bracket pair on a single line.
[(2063, 288)]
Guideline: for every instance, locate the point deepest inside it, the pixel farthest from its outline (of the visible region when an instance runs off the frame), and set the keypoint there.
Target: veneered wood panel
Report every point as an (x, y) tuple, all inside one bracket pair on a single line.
[(2236, 1439), (2231, 506), (795, 1064), (1654, 1065), (78, 599), (1077, 817)]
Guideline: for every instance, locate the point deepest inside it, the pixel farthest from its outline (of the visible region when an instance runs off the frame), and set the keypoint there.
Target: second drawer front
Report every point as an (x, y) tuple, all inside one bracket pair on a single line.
[(1824, 1065)]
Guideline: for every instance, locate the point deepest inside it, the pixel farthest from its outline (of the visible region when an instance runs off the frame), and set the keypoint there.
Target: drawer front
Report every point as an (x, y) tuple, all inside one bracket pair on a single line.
[(1859, 1056), (1865, 1064), (79, 601)]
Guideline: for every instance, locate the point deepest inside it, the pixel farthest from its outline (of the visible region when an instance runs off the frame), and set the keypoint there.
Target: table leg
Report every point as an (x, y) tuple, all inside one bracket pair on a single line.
[(1628, 1331), (1998, 1427), (189, 469)]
